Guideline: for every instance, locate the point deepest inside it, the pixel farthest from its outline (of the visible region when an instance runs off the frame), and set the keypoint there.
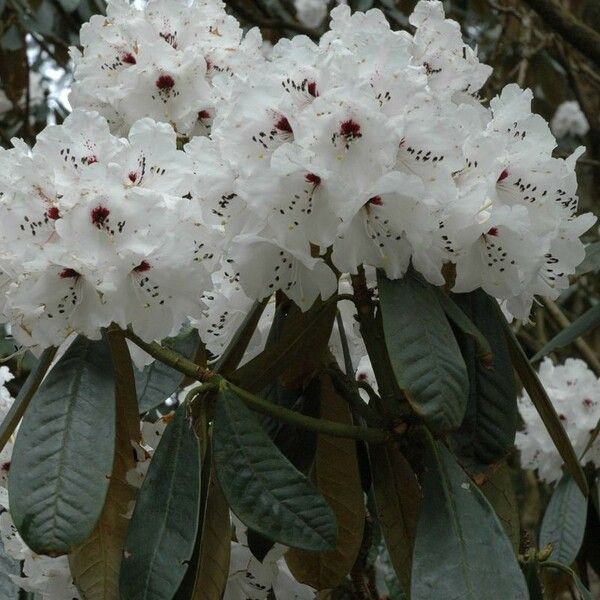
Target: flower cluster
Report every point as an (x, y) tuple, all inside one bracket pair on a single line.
[(373, 144), (169, 60), (575, 393), (370, 147), (97, 229)]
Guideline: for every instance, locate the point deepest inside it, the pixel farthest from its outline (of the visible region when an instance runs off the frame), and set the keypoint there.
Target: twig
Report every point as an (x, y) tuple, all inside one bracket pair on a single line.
[(583, 347), (574, 31), (256, 403)]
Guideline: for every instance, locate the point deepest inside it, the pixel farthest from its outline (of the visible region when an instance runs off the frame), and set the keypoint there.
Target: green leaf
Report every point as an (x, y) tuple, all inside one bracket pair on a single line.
[(461, 550), (95, 565), (544, 406), (158, 381), (487, 432), (461, 314), (162, 531), (425, 356), (336, 474), (26, 393), (262, 487), (234, 353), (591, 262), (397, 499), (587, 322), (64, 451), (500, 493), (301, 331), (564, 521)]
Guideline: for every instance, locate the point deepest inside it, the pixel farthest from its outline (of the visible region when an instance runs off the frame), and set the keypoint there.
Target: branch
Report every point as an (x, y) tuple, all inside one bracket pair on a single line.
[(577, 33), (256, 403)]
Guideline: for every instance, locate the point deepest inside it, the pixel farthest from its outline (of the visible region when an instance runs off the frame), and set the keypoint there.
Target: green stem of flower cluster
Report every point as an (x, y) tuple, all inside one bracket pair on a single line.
[(256, 403)]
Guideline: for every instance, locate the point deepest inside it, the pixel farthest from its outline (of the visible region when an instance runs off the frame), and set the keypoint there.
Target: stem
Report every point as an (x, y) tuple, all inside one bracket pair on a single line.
[(30, 387), (372, 335), (256, 403), (170, 358), (348, 367)]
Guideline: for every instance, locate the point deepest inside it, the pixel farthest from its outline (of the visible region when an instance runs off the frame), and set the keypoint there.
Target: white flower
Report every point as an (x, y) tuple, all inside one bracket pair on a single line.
[(311, 12), (96, 229), (6, 399), (170, 60), (569, 120), (575, 393)]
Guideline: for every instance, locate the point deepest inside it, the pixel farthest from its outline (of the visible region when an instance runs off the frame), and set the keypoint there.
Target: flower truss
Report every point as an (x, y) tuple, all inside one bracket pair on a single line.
[(575, 393), (370, 147)]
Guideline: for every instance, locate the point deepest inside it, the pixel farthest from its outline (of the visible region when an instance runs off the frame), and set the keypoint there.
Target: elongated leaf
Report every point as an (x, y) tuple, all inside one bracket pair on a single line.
[(397, 499), (581, 326), (458, 312), (234, 353), (158, 381), (64, 451), (337, 477), (19, 406), (162, 532), (95, 565), (500, 493), (487, 432), (564, 521), (544, 407), (208, 571), (461, 550), (423, 351), (262, 487), (303, 331), (212, 565)]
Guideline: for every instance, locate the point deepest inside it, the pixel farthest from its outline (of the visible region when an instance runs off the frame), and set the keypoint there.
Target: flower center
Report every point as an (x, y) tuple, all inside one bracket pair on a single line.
[(132, 176), (203, 114), (350, 129), (128, 58), (493, 231), (503, 175), (53, 213), (69, 274), (165, 82), (142, 267), (99, 215), (376, 200), (312, 89), (312, 178), (283, 125)]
